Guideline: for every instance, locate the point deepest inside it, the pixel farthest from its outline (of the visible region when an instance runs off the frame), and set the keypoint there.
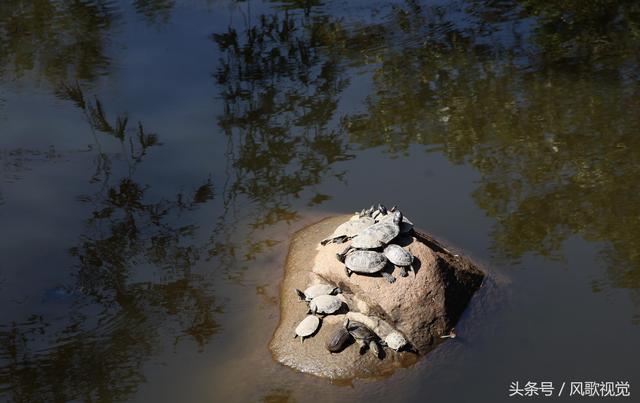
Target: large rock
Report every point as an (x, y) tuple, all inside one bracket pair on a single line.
[(422, 308)]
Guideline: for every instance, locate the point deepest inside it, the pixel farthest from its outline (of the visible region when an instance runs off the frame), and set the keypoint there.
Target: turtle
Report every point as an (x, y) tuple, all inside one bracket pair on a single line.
[(380, 212), (348, 230), (364, 336), (405, 224), (340, 339), (316, 290), (325, 304), (366, 262), (399, 257), (395, 340), (375, 236), (307, 327)]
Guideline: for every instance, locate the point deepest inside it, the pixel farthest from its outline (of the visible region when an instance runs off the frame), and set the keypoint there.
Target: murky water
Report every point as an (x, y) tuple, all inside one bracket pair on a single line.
[(155, 157)]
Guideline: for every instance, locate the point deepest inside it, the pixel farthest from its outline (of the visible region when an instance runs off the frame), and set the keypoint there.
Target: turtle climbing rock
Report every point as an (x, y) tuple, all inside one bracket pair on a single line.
[(366, 262), (307, 327), (348, 230), (399, 257), (325, 304), (316, 290), (364, 336)]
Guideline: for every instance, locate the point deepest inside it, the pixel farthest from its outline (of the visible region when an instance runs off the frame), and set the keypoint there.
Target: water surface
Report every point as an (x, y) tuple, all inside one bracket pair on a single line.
[(156, 156)]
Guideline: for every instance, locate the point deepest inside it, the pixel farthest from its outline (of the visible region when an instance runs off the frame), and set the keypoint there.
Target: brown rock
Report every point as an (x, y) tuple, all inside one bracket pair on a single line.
[(422, 308)]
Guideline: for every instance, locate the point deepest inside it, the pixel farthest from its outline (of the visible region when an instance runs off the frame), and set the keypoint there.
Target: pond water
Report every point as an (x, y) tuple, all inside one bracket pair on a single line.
[(156, 156)]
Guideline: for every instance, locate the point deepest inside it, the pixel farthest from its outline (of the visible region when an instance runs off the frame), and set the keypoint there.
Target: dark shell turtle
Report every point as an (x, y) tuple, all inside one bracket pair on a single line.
[(325, 304), (307, 327), (366, 262), (348, 230), (340, 339), (364, 336), (399, 257), (316, 290)]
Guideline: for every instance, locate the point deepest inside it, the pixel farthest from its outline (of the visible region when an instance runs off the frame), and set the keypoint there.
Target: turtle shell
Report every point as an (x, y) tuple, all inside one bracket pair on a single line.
[(308, 326), (360, 332), (376, 235), (405, 226), (365, 261), (351, 228), (339, 340), (326, 304), (395, 340), (398, 255), (319, 289)]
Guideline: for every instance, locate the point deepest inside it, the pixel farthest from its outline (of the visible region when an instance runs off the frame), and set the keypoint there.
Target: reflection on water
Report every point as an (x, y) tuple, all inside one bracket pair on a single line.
[(538, 98)]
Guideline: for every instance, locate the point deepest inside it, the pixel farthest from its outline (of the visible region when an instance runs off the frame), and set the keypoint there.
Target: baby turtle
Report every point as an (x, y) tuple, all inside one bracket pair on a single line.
[(395, 340), (348, 230), (307, 327), (398, 256), (325, 304), (364, 336), (316, 290), (366, 262), (339, 340)]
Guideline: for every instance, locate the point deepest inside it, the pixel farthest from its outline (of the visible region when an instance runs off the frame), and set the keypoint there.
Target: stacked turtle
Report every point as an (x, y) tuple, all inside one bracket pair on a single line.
[(322, 300), (371, 233)]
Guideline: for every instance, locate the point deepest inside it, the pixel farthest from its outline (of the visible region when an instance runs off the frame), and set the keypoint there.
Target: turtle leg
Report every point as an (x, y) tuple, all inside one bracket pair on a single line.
[(374, 348), (403, 271), (347, 271), (412, 270), (342, 255), (301, 339), (340, 239), (325, 241), (389, 277), (363, 346)]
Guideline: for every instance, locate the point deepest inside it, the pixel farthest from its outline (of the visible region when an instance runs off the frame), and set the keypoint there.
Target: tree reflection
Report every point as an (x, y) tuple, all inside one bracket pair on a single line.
[(134, 274), (555, 146), (280, 92)]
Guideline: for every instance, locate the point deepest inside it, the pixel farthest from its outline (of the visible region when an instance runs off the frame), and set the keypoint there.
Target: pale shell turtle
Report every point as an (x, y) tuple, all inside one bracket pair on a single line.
[(348, 230), (316, 290), (307, 327), (325, 304), (366, 262), (399, 257), (405, 225), (395, 340)]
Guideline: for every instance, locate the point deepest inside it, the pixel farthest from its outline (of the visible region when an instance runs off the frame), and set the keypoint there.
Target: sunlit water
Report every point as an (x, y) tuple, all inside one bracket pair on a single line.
[(156, 156)]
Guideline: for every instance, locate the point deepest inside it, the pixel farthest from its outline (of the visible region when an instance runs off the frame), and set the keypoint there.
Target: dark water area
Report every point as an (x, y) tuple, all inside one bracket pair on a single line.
[(156, 156)]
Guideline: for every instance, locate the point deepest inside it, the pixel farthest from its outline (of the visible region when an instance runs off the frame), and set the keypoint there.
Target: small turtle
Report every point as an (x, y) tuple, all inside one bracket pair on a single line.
[(395, 340), (316, 290), (364, 336), (402, 259), (340, 339), (348, 230), (307, 327), (366, 262), (325, 304), (380, 212)]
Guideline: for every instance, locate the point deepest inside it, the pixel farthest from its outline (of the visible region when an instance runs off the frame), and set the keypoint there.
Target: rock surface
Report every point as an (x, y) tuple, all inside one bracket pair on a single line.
[(422, 308)]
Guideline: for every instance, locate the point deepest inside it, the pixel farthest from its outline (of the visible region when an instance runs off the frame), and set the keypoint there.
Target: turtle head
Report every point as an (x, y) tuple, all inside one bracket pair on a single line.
[(382, 209), (397, 217), (336, 291), (301, 295)]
